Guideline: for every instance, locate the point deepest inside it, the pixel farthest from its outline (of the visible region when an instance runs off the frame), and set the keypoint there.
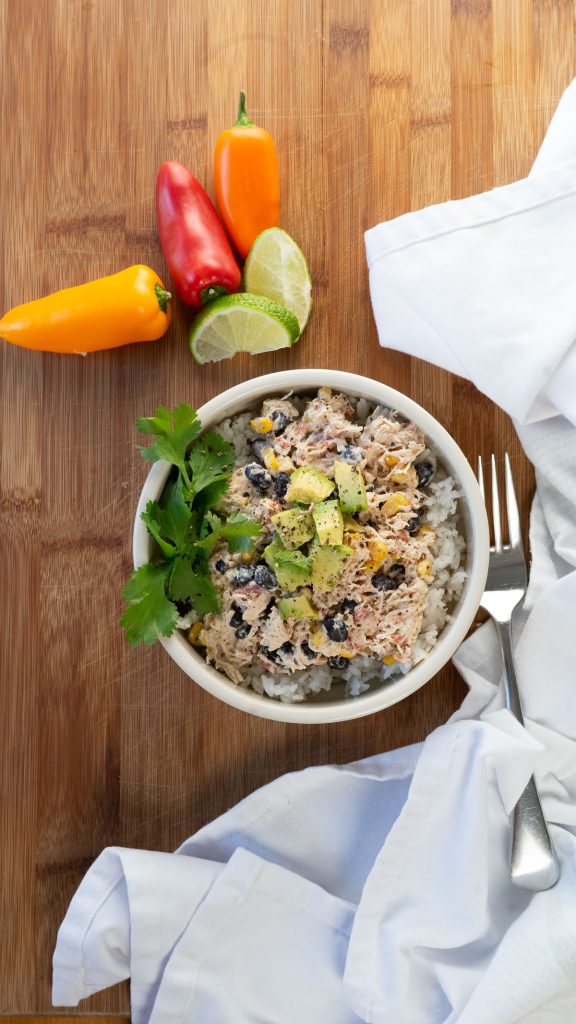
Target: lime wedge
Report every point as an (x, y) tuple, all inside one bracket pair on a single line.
[(241, 323), (276, 268)]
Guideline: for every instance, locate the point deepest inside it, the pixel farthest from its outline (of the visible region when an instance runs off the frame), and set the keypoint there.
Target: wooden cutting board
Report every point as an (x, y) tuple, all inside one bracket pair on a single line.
[(377, 108)]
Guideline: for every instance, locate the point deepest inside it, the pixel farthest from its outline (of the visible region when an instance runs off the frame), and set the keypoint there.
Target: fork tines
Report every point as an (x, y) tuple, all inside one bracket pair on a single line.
[(514, 535)]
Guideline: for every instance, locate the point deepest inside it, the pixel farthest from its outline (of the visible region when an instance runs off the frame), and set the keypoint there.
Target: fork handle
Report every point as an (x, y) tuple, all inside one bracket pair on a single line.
[(533, 861)]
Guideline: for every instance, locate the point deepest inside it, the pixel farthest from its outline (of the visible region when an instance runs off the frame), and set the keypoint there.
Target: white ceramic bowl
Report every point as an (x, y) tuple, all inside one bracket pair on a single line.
[(331, 707)]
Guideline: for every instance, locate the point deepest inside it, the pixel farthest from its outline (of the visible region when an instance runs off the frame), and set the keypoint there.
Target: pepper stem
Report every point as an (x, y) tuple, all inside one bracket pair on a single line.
[(163, 297), (208, 294), (243, 121)]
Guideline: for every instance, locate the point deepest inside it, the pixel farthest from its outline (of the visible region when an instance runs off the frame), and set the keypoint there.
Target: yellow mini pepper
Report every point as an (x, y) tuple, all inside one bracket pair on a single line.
[(130, 306)]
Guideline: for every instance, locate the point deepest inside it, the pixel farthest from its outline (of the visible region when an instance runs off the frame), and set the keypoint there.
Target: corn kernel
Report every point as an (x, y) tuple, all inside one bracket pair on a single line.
[(246, 556), (317, 637), (325, 394), (408, 477), (389, 660), (194, 635), (395, 502), (269, 459), (424, 529), (285, 465), (262, 425), (391, 460), (424, 569), (347, 654), (378, 549)]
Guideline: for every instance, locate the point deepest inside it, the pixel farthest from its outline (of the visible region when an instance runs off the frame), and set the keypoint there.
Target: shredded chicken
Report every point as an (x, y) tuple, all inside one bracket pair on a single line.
[(378, 603)]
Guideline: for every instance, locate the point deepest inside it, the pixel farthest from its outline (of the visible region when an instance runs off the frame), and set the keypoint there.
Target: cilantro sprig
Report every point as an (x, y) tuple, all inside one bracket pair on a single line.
[(184, 525)]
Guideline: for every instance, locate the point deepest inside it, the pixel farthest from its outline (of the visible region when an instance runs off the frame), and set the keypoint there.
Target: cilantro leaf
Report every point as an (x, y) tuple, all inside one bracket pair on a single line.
[(172, 524), (174, 431), (149, 612), (210, 496), (239, 531), (210, 461), (183, 525), (187, 585)]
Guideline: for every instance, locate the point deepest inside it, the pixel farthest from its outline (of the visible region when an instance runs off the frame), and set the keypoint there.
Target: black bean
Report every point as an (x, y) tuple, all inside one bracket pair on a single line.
[(258, 444), (237, 618), (281, 484), (307, 650), (350, 453), (271, 655), (425, 472), (268, 609), (279, 421), (264, 576), (337, 662), (183, 607), (220, 565), (258, 477), (348, 605), (243, 575), (336, 628), (390, 580), (414, 524), (286, 648), (242, 631)]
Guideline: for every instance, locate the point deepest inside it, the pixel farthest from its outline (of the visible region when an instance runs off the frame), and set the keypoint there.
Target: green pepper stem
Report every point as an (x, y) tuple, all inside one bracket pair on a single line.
[(213, 292), (243, 121), (163, 297)]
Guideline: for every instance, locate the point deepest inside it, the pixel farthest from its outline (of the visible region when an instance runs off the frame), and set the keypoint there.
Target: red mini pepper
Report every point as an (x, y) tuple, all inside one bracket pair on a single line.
[(194, 243)]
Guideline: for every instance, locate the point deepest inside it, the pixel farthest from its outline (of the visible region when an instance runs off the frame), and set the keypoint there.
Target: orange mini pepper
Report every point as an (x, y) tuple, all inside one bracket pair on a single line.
[(247, 180), (130, 306)]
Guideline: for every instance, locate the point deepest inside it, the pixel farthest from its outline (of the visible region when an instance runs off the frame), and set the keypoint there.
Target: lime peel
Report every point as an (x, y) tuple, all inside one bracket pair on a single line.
[(241, 323), (276, 268)]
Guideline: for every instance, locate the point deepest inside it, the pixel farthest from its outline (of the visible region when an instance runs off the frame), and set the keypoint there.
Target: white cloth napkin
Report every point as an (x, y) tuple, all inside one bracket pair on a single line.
[(380, 891)]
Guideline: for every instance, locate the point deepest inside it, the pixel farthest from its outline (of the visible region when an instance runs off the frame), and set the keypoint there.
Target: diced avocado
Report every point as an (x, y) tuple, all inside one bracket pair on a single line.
[(297, 607), (292, 568), (329, 522), (272, 550), (351, 488), (351, 526), (308, 484), (294, 526), (327, 562)]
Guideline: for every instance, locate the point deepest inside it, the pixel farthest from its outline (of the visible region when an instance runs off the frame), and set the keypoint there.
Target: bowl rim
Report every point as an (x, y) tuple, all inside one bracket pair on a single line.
[(192, 663)]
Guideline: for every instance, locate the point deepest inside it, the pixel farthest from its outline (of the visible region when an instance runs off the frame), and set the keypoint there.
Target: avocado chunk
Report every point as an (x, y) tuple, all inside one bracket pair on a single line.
[(292, 568), (329, 522), (309, 485), (274, 547), (327, 563), (351, 488), (295, 527), (297, 607)]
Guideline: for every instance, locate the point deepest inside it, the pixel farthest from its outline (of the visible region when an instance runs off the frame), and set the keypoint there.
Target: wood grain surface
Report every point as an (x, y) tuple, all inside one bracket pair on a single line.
[(377, 108)]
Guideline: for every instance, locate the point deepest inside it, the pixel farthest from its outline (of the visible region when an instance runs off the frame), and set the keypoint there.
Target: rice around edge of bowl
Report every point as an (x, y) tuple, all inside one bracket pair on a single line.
[(363, 672)]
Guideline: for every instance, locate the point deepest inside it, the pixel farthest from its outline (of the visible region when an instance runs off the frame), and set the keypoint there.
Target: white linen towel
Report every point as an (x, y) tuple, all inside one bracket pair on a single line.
[(380, 891)]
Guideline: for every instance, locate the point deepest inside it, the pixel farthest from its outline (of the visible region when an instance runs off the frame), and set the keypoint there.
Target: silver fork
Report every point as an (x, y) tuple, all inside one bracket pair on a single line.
[(533, 861)]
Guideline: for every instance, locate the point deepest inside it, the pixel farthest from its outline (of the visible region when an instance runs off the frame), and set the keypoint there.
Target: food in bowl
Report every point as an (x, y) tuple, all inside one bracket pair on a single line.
[(360, 556), (354, 558)]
